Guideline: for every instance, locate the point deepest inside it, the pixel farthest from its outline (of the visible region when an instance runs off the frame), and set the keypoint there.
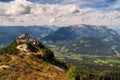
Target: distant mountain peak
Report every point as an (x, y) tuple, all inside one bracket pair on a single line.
[(81, 30), (86, 25)]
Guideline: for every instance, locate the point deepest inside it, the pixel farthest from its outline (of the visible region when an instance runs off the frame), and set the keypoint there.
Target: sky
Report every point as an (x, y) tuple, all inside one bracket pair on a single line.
[(60, 12)]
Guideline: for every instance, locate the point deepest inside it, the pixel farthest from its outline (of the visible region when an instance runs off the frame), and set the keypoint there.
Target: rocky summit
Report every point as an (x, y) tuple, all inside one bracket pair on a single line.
[(27, 59), (24, 44)]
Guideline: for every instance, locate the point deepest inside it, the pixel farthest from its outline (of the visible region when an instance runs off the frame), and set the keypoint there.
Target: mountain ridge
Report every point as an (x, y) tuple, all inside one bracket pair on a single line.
[(70, 35), (78, 31), (60, 36), (26, 58)]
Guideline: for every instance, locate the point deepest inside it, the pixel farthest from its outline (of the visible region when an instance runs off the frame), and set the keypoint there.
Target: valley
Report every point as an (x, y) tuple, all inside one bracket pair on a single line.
[(92, 63), (80, 52), (59, 39)]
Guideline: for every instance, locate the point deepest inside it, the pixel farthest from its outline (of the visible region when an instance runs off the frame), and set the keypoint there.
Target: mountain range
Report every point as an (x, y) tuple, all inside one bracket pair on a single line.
[(80, 31), (8, 34), (28, 59), (80, 39)]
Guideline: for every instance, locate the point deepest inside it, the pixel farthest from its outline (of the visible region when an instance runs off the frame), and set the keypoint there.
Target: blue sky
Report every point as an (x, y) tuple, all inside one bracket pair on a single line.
[(86, 3)]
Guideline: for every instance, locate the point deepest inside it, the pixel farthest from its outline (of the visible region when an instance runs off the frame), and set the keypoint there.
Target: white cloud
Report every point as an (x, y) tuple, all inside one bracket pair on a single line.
[(18, 7), (22, 12), (52, 20)]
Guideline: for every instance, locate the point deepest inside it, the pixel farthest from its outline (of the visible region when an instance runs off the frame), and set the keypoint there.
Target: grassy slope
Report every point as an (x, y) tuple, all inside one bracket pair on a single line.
[(28, 67)]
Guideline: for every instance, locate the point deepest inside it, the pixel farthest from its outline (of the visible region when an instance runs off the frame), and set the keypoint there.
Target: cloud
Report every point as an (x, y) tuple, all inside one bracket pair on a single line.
[(97, 4), (52, 20), (22, 12), (18, 7)]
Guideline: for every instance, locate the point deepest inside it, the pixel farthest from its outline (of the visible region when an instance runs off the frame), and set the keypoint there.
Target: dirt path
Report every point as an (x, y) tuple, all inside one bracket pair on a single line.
[(4, 66), (60, 69)]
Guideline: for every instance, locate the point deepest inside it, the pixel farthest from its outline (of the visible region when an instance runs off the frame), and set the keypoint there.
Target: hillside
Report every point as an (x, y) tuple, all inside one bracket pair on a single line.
[(84, 39), (27, 67), (88, 45), (28, 59)]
